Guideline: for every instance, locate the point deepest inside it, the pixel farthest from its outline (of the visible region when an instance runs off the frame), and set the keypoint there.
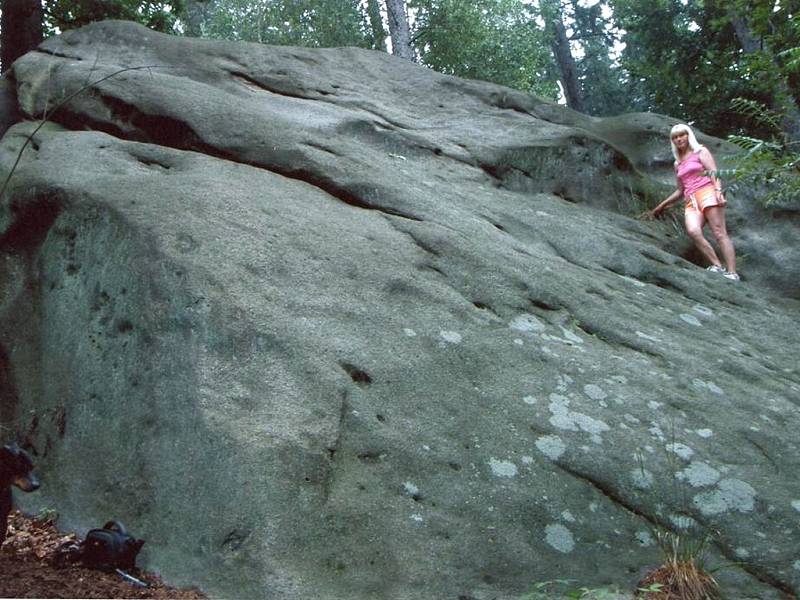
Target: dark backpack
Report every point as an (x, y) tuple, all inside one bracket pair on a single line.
[(110, 547)]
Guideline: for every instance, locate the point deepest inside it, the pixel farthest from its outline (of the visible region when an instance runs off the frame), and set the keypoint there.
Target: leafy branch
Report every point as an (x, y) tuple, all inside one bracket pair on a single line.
[(771, 165)]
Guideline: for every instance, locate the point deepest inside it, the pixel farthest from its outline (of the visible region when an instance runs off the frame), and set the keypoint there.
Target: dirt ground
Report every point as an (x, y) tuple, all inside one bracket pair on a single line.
[(31, 566)]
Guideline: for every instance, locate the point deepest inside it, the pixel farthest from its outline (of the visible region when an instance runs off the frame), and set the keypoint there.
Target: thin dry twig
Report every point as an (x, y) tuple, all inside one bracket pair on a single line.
[(46, 117)]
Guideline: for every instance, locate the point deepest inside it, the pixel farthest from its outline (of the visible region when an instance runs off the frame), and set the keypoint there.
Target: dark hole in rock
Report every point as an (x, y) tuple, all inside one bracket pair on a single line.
[(124, 326), (360, 376)]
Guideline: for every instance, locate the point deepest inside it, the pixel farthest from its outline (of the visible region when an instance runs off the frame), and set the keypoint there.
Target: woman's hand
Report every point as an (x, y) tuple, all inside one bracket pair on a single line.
[(650, 215)]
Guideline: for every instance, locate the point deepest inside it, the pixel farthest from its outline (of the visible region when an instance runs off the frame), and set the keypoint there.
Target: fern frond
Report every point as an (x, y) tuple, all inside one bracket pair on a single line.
[(792, 58), (757, 112)]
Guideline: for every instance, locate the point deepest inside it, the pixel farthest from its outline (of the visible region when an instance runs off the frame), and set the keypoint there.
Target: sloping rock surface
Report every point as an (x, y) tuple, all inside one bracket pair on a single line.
[(326, 324)]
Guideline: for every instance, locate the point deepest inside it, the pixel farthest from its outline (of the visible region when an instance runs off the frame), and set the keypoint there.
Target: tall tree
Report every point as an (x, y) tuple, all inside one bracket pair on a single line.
[(596, 36), (60, 15), (492, 40), (783, 101), (686, 59), (313, 23), (195, 14), (20, 29), (399, 29), (553, 16), (376, 23)]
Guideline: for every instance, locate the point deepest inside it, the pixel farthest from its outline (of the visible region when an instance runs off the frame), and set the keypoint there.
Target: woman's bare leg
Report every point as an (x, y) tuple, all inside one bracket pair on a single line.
[(694, 227), (715, 215)]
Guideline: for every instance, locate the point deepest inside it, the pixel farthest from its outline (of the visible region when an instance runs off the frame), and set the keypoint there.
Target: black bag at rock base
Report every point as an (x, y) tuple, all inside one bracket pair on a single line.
[(112, 546)]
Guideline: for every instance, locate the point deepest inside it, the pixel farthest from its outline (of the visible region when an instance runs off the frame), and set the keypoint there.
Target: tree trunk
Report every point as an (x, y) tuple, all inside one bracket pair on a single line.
[(376, 22), (784, 102), (195, 13), (399, 29), (566, 64), (21, 26)]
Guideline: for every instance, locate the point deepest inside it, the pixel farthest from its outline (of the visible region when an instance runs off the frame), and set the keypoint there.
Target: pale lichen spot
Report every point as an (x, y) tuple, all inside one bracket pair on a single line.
[(707, 385), (416, 517), (653, 405), (635, 282), (567, 516), (796, 505), (691, 320), (593, 506), (681, 450), (451, 337), (503, 468), (796, 565), (563, 418), (527, 323), (642, 479), (703, 310), (410, 488), (731, 494), (571, 336), (589, 424), (559, 537), (656, 432), (742, 553), (519, 342), (699, 474), (644, 538), (704, 433), (527, 460), (552, 446), (530, 400), (595, 392), (649, 338), (683, 522), (631, 419), (563, 382), (409, 332)]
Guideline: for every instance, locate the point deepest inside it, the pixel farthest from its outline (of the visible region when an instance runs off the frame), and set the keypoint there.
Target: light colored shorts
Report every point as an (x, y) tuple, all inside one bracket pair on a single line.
[(702, 199)]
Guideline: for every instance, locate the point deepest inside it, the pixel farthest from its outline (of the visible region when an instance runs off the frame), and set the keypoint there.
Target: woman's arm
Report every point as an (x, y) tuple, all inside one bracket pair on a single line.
[(667, 202), (707, 160)]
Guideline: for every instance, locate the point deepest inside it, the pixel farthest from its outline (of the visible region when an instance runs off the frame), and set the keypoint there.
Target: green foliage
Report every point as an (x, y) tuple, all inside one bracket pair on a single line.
[(312, 23), (60, 15), (491, 40), (653, 588), (686, 59), (770, 165), (683, 573), (601, 78), (562, 589)]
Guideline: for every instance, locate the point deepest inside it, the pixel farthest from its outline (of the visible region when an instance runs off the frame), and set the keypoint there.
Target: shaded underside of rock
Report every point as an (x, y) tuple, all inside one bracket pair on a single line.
[(324, 323)]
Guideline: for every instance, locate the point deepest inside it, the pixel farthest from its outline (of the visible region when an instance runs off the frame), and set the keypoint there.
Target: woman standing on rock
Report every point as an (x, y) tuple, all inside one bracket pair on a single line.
[(698, 184)]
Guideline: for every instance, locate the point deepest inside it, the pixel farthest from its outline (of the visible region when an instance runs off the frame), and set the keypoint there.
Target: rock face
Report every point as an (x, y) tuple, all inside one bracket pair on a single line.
[(326, 324)]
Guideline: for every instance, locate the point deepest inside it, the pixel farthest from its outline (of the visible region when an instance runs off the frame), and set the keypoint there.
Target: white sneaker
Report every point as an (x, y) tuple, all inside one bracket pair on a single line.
[(716, 269), (731, 276)]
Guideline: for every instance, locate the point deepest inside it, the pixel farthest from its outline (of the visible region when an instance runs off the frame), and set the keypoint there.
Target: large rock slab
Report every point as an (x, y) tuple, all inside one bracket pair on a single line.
[(326, 324)]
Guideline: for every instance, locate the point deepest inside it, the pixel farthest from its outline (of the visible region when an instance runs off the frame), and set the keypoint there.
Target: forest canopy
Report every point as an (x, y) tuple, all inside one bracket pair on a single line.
[(694, 60)]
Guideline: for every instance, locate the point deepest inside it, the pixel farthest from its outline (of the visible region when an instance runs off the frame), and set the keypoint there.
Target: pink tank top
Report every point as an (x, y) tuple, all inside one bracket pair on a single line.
[(691, 174)]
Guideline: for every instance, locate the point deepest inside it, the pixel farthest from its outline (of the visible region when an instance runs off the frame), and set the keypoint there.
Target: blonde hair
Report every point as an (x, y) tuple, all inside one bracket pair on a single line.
[(693, 143)]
